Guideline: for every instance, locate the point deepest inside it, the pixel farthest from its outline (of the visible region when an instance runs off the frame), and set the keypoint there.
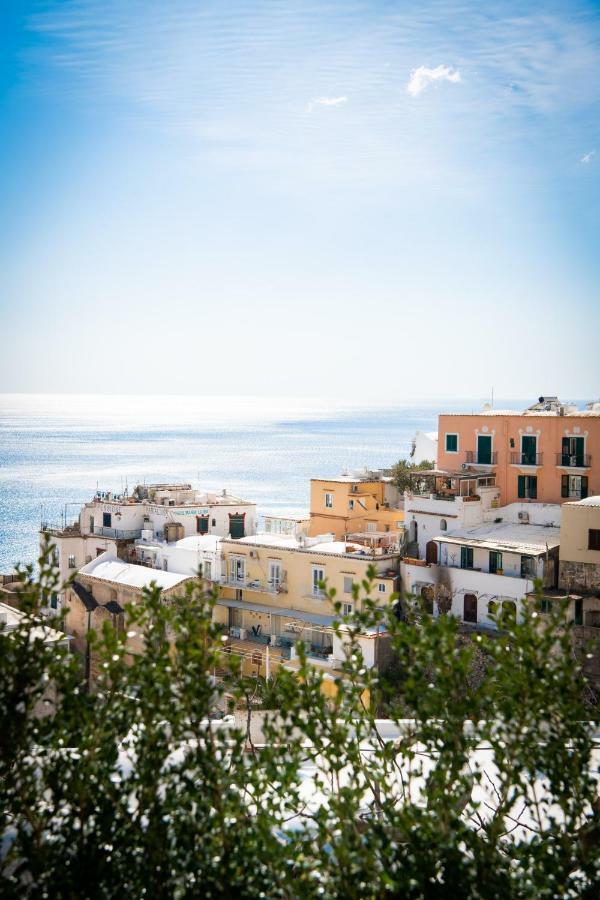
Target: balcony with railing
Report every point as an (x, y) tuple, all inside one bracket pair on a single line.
[(574, 460), (263, 586), (481, 457), (526, 459), (118, 534)]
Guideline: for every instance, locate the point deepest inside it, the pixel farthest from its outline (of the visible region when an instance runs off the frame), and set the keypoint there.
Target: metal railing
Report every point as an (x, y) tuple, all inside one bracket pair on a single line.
[(574, 460), (117, 533), (255, 584), (481, 459), (526, 459)]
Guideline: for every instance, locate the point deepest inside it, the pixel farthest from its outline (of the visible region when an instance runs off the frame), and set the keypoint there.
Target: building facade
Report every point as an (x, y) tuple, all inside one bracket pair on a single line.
[(547, 453)]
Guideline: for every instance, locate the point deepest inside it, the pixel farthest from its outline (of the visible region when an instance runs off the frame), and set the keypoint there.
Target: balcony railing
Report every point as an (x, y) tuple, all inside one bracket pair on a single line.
[(526, 459), (255, 584), (117, 533), (574, 460), (483, 458)]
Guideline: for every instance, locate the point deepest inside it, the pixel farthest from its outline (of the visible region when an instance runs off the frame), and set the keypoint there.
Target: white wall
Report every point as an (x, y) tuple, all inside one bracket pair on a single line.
[(483, 584), (128, 517)]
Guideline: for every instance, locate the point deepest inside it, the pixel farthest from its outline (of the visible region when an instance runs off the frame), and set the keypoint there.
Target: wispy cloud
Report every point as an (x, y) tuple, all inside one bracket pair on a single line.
[(325, 101), (422, 77), (587, 157)]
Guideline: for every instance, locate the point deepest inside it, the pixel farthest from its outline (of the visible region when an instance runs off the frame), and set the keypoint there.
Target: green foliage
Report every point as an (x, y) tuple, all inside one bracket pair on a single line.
[(404, 472), (134, 791)]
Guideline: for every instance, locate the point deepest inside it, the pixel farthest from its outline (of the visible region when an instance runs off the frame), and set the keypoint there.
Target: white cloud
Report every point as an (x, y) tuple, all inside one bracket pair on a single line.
[(325, 101), (422, 77), (586, 158)]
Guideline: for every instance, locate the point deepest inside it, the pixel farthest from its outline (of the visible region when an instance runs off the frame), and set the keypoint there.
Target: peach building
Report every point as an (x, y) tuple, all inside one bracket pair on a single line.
[(548, 453), (356, 506)]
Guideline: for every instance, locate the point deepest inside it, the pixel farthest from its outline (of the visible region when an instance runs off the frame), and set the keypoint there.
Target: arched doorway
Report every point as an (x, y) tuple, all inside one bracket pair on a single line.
[(470, 608), (412, 532), (431, 552)]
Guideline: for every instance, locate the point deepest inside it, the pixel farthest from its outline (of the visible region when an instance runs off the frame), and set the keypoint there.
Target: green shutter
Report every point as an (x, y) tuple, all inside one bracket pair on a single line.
[(564, 486), (521, 491), (533, 487), (584, 487)]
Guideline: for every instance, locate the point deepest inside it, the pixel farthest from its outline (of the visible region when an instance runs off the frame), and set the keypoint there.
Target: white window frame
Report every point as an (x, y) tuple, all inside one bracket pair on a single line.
[(318, 574), (381, 587), (371, 527), (347, 609), (328, 500), (238, 564), (452, 434), (71, 561), (274, 573), (348, 578)]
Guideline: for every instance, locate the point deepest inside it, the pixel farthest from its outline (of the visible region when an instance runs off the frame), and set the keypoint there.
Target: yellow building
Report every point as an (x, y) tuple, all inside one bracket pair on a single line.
[(272, 596), (358, 508)]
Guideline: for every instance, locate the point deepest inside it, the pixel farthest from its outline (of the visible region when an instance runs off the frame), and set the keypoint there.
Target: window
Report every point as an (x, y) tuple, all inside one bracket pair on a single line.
[(348, 582), (274, 574), (238, 569), (492, 608), (427, 598), (347, 609), (443, 525), (371, 526), (594, 539), (528, 449), (381, 588), (54, 601), (350, 504), (527, 567), (575, 486), (72, 561), (91, 524), (236, 525), (466, 557), (451, 443), (527, 487), (318, 576), (509, 609), (572, 451), (202, 524), (106, 520), (214, 523), (495, 561), (328, 500), (545, 605), (207, 570), (578, 617)]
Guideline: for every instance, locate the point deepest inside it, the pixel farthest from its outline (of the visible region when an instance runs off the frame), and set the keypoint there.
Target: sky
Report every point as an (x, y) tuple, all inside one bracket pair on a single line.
[(377, 200)]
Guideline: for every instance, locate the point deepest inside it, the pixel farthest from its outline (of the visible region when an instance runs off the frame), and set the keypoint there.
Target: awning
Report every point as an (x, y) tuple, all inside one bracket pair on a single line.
[(312, 618)]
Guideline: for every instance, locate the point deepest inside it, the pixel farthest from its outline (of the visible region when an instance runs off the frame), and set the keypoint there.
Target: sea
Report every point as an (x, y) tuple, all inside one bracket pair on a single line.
[(57, 450)]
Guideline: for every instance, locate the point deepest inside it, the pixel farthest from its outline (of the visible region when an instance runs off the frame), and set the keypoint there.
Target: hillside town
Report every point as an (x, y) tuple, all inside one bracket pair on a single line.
[(500, 511)]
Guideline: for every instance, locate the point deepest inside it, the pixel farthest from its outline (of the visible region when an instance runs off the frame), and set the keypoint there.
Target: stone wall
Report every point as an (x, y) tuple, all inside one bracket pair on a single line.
[(579, 576)]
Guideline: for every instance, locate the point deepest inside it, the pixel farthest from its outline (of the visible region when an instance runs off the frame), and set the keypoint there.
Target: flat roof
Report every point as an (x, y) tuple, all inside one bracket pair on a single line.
[(510, 536), (107, 567), (39, 631), (312, 618), (199, 542), (291, 542), (587, 501)]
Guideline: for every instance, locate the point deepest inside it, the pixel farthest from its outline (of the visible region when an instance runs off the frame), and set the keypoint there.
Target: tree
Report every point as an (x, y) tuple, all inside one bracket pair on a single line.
[(404, 472), (484, 789)]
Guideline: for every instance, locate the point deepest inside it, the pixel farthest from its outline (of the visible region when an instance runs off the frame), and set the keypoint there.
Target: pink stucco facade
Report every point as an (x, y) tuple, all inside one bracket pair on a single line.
[(540, 457)]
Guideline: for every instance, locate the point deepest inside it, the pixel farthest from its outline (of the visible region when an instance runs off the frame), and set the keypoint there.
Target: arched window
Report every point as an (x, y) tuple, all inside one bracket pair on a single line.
[(492, 608), (509, 609), (443, 525)]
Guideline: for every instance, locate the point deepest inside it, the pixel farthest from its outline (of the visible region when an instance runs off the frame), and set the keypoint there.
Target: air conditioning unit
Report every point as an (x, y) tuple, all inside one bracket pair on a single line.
[(524, 517), (464, 465)]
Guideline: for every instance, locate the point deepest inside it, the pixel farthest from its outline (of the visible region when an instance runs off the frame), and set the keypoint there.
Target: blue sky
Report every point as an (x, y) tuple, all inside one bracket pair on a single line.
[(394, 199)]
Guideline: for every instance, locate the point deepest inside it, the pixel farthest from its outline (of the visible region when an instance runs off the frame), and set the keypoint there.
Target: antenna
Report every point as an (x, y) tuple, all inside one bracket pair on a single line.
[(492, 396)]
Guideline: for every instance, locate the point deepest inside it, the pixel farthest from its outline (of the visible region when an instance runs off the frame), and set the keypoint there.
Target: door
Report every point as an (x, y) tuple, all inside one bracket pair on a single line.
[(484, 449), (572, 451), (202, 524), (495, 561), (528, 449), (431, 552), (236, 525), (470, 608)]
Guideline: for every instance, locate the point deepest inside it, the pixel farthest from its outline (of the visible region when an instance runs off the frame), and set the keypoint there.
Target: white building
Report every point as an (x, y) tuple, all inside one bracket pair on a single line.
[(474, 572), (159, 513), (186, 557), (424, 447)]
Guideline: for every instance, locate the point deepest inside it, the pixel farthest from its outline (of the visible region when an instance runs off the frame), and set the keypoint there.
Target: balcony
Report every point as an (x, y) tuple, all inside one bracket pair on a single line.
[(574, 461), (255, 584), (526, 459), (485, 458), (118, 534)]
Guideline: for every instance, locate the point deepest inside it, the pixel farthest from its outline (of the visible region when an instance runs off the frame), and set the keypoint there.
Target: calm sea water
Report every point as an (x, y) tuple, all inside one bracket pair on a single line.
[(55, 451)]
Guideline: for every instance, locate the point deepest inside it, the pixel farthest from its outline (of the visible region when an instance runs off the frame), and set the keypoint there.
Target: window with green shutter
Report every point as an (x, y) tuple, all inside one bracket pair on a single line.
[(451, 443), (466, 557), (527, 487), (495, 561)]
